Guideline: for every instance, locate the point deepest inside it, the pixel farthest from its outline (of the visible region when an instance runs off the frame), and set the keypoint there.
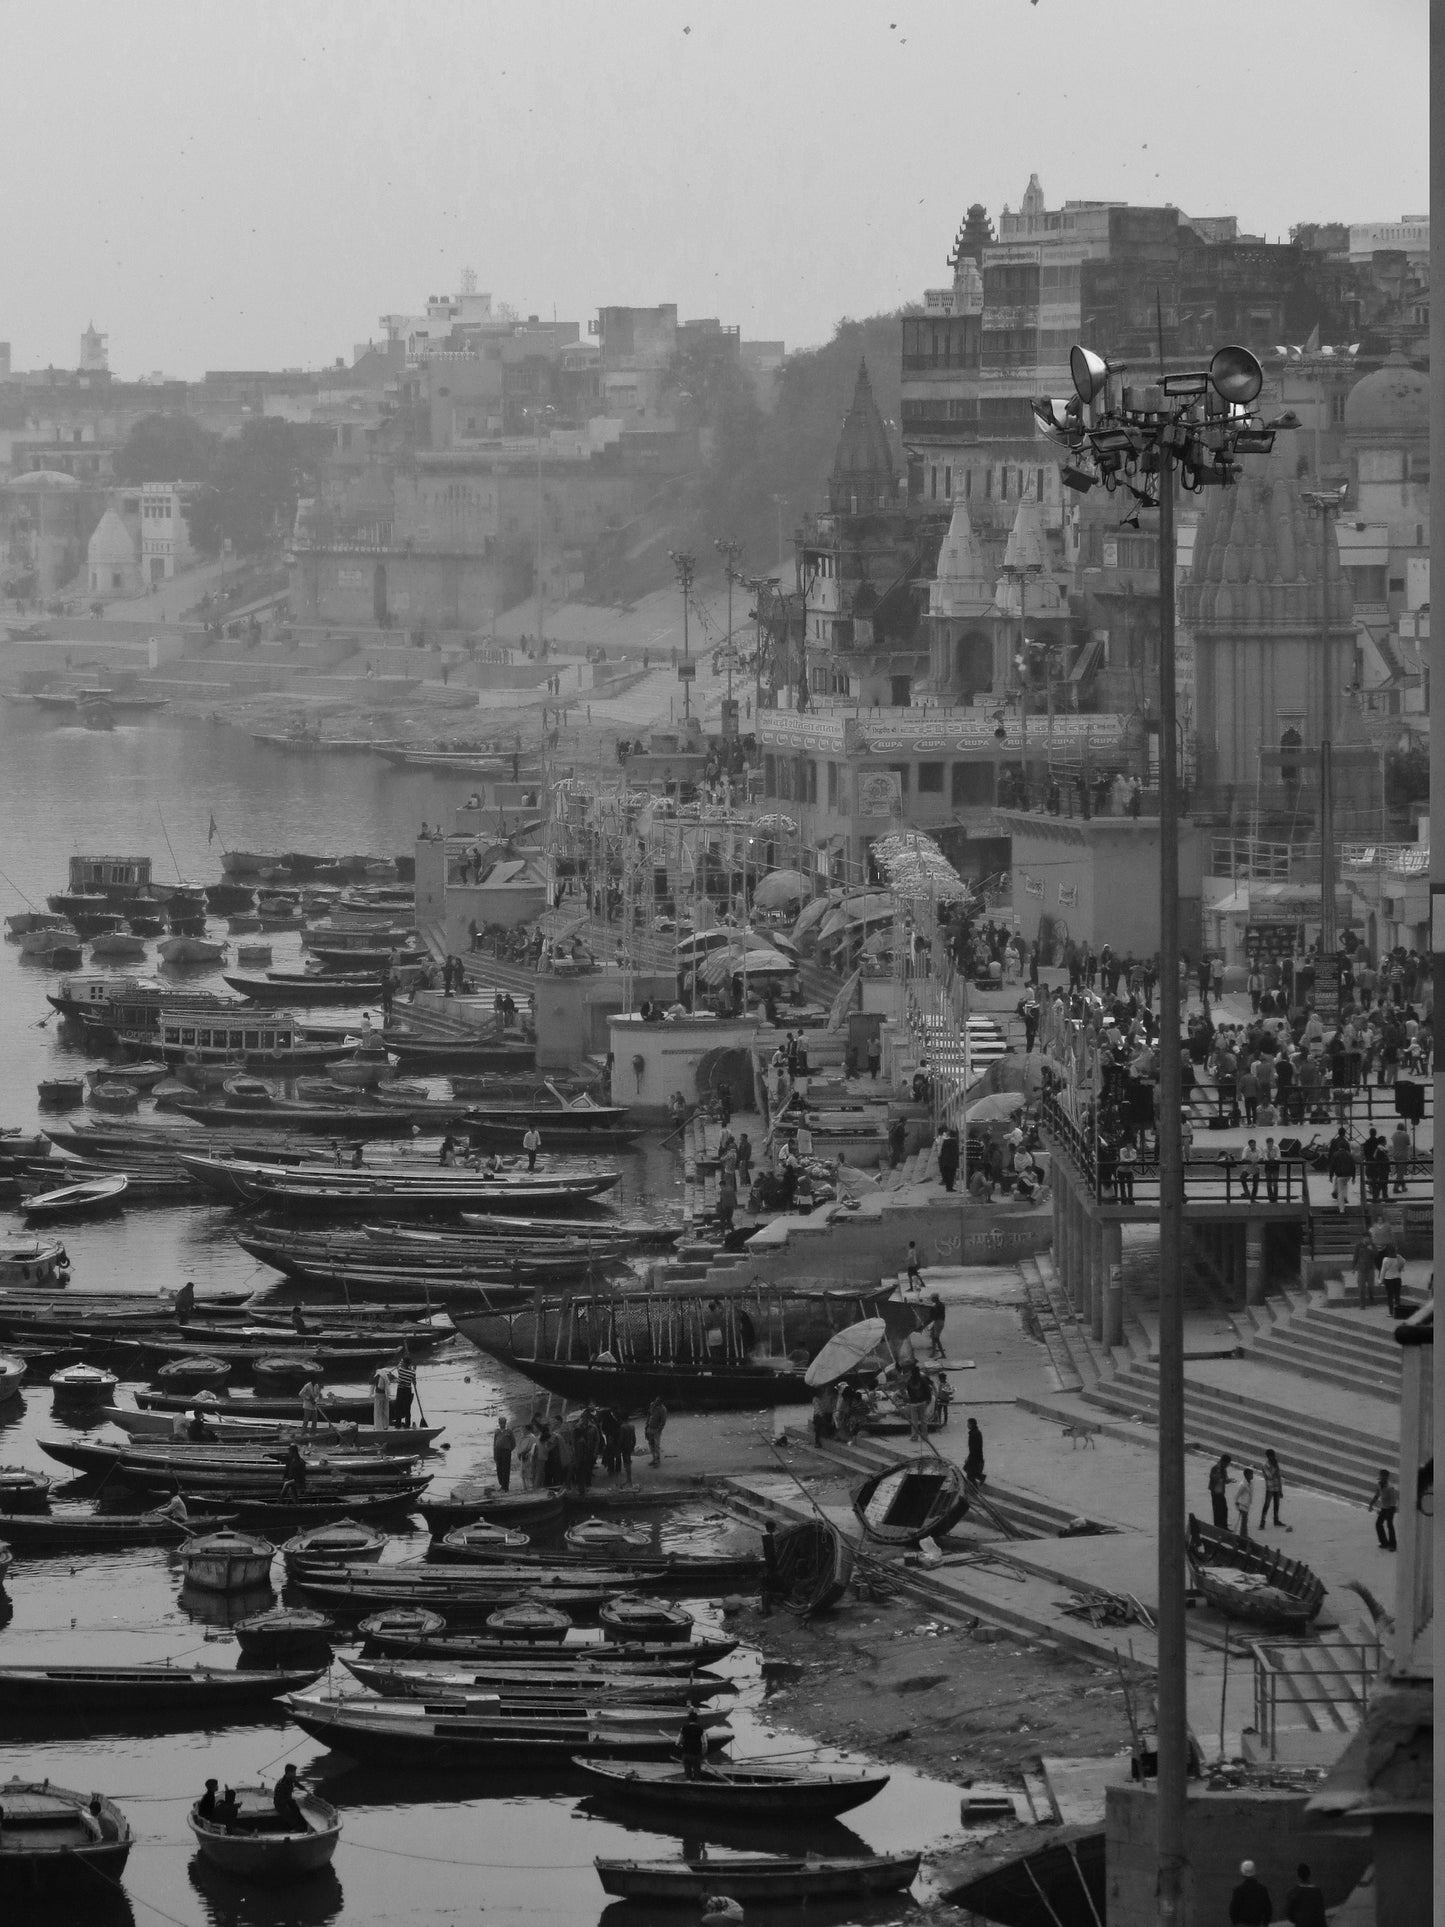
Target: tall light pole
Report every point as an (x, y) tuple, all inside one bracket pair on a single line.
[(1326, 503), (1194, 424), (685, 567), (731, 552), (539, 414)]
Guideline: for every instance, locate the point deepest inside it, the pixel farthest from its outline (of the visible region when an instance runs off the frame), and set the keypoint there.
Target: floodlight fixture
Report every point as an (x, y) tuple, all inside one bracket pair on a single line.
[(1072, 476), (1196, 382), (1089, 371), (1058, 419), (1235, 375)]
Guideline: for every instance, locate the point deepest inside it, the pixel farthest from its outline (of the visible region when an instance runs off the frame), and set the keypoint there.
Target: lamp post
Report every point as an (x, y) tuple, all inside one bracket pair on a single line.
[(731, 553), (685, 566), (538, 416), (1194, 425), (1326, 503)]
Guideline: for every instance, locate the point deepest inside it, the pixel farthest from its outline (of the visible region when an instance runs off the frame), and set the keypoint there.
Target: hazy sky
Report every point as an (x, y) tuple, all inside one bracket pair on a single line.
[(251, 185)]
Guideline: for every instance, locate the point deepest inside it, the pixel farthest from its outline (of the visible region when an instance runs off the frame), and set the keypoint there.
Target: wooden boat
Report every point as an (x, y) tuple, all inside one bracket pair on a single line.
[(536, 1509), (652, 1620), (537, 1678), (336, 1405), (682, 1388), (398, 1635), (91, 1198), (22, 1490), (313, 1360), (83, 1385), (190, 952), (227, 1561), (815, 1565), (569, 1124), (395, 1442), (55, 1841), (606, 1535), (7, 1560), (773, 1879), (365, 1589), (674, 1572), (1249, 1580), (529, 1621), (37, 1533), (759, 1790), (196, 1373), (482, 1537), (32, 1261), (347, 1540), (269, 1513), (61, 1093), (401, 1731), (199, 1035), (157, 1690), (12, 1377), (261, 1845), (305, 987), (912, 1501), (394, 1193), (118, 947), (1058, 1880), (284, 1633)]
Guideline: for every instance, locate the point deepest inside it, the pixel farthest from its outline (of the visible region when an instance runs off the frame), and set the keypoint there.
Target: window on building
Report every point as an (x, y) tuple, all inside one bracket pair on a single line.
[(972, 785), (933, 483), (1039, 484), (812, 768), (930, 779), (770, 775), (1397, 585), (948, 484), (832, 786), (987, 483), (967, 483)]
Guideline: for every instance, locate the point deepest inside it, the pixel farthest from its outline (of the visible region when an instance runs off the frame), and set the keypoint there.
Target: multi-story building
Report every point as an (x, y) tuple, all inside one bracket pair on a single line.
[(164, 541)]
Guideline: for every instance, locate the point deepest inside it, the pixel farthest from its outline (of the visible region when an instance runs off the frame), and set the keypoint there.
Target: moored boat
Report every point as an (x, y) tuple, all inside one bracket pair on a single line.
[(759, 1789), (262, 1844), (457, 1730), (646, 1619), (190, 952), (395, 1635), (12, 1376), (91, 1198), (774, 1879), (83, 1385), (346, 1539), (284, 1633), (536, 1677), (529, 1621), (33, 1261), (38, 1533), (53, 1840), (149, 1690), (461, 1507), (227, 1561), (1250, 1580)]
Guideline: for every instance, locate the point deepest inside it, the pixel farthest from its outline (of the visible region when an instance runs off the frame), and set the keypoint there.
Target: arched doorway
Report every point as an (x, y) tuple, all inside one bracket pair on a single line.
[(379, 610)]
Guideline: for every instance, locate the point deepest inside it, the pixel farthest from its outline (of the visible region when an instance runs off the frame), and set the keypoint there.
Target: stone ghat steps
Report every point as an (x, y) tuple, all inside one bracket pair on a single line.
[(1316, 1452), (1336, 1350)]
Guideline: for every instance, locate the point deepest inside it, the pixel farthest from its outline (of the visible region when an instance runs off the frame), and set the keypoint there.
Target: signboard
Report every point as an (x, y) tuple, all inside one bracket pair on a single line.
[(788, 729), (1033, 886), (959, 733), (687, 672), (880, 793), (1272, 941), (1068, 896)]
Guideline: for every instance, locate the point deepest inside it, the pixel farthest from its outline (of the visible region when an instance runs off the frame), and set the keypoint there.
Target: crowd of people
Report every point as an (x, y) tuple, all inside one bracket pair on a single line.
[(565, 1453)]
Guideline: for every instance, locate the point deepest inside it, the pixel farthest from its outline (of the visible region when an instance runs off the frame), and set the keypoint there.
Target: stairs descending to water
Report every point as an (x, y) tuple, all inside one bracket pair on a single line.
[(1337, 1345)]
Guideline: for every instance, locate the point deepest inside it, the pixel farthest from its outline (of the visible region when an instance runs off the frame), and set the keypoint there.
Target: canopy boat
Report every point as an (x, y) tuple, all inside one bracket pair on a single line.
[(647, 1619), (146, 1690), (530, 1621), (773, 1879), (227, 1561), (53, 1840), (1248, 1580), (91, 1198), (912, 1501), (36, 1533), (260, 1843), (760, 1789), (83, 1385), (537, 1678), (218, 1033), (345, 1540), (396, 1441), (285, 1633), (469, 1732)]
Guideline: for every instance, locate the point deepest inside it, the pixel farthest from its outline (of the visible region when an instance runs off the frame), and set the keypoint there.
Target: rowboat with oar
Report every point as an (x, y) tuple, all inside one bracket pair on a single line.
[(55, 1841), (262, 1844)]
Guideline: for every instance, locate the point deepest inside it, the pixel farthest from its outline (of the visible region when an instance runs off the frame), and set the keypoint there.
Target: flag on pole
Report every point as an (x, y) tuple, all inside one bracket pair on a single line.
[(213, 832)]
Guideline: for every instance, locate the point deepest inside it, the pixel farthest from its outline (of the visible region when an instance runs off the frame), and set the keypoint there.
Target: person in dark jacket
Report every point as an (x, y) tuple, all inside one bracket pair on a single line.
[(1219, 1490), (973, 1462), (1249, 1904), (948, 1159), (1304, 1904)]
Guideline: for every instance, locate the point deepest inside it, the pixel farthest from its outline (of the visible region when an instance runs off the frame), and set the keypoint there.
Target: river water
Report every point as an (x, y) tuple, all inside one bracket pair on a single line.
[(430, 1849)]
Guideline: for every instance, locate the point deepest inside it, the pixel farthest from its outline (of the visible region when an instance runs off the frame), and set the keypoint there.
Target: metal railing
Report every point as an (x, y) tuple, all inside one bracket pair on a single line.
[(1216, 1178), (1348, 1671)]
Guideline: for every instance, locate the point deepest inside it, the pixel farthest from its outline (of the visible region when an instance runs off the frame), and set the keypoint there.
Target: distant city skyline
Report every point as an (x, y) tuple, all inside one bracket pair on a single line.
[(255, 188)]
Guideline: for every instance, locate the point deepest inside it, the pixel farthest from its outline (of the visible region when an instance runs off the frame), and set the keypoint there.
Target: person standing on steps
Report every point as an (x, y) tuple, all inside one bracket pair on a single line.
[(1304, 1904), (1219, 1491), (914, 1279), (973, 1462), (1341, 1167), (1392, 1277), (1273, 1492), (1244, 1502), (652, 1429), (1250, 1904), (1385, 1503), (504, 1444)]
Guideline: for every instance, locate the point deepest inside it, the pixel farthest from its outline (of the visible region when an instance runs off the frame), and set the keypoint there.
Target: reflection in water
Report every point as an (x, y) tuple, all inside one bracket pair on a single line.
[(230, 1902), (225, 1608)]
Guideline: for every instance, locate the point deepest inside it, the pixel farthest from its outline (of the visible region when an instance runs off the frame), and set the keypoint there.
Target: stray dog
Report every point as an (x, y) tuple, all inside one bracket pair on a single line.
[(1080, 1429)]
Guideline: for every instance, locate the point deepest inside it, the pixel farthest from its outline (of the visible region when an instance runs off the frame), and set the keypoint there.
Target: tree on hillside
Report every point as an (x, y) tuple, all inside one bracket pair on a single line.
[(167, 448), (249, 498)]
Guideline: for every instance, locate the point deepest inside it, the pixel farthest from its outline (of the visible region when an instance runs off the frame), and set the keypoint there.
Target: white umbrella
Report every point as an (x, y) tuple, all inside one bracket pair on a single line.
[(845, 1352), (996, 1108), (780, 888)]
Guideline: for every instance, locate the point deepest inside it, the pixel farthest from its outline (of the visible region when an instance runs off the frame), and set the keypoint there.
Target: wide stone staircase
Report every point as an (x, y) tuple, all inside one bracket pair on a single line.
[(1337, 1345)]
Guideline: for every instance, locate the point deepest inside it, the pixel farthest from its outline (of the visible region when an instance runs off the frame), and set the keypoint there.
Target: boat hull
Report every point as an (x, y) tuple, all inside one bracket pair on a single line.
[(753, 1791), (757, 1877), (146, 1690)]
